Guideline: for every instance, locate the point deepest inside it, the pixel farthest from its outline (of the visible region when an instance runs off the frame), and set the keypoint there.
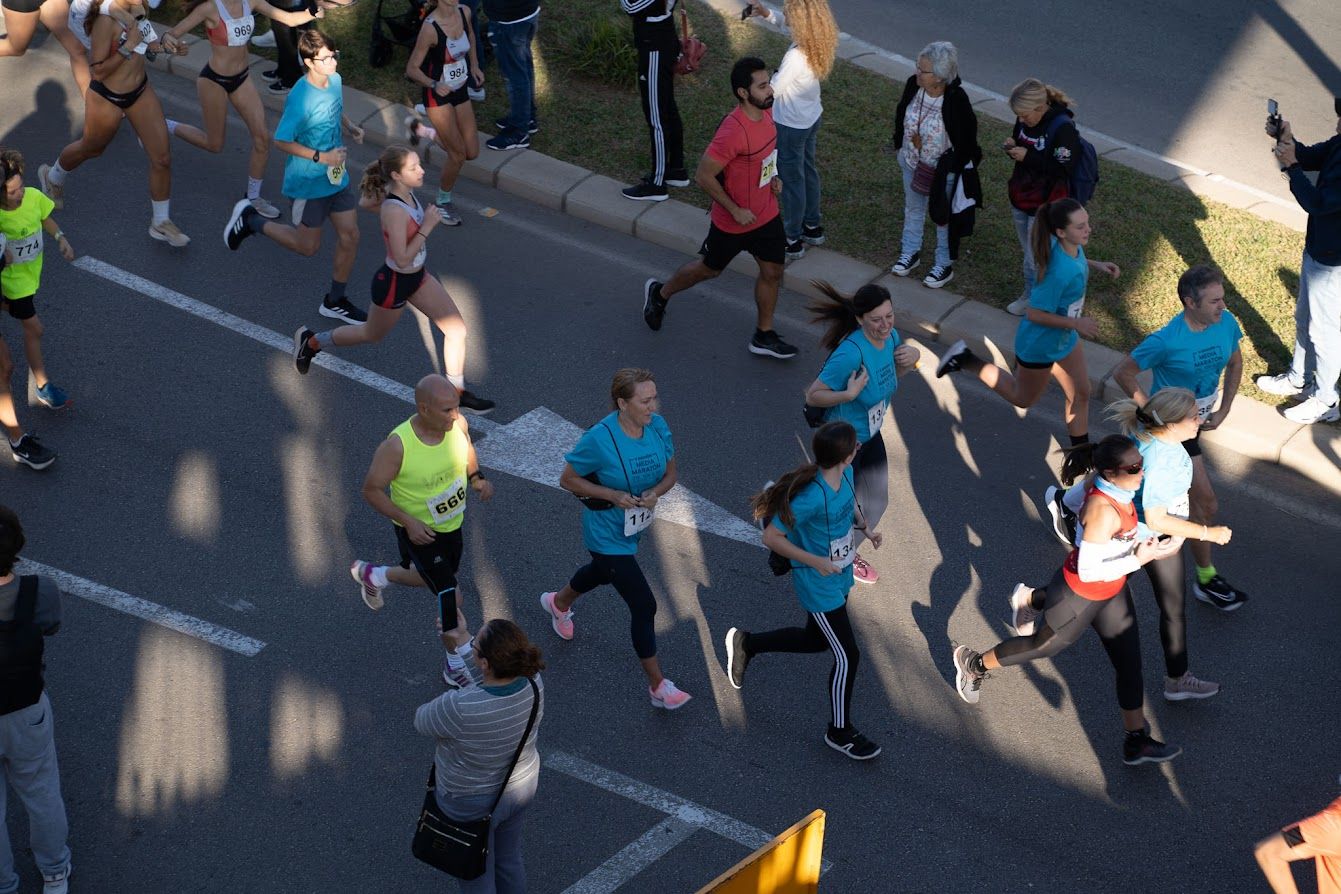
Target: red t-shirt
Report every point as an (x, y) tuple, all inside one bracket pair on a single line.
[(748, 151), (1322, 832)]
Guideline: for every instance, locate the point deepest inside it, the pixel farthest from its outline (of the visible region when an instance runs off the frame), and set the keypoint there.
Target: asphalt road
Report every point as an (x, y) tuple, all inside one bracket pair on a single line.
[(199, 471), (1186, 79)]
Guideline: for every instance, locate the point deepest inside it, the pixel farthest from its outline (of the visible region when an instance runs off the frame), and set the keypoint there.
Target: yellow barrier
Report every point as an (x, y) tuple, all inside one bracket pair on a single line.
[(789, 864)]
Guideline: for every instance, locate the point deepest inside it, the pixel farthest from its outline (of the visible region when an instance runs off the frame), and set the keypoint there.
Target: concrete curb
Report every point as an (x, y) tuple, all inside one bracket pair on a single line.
[(1253, 430)]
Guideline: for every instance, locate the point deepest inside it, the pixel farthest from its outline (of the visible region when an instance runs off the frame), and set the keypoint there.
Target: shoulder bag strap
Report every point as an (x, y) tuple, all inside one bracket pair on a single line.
[(684, 21), (516, 755)]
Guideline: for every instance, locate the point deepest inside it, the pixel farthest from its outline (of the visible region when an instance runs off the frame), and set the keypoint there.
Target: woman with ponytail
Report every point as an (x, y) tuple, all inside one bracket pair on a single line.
[(388, 187), (1089, 590), (855, 386), (811, 517), (1047, 342)]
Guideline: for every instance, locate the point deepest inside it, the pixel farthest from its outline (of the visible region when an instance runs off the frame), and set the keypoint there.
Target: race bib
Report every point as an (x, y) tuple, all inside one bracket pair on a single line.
[(1205, 405), (636, 519), (240, 32), (1181, 507), (148, 33), (769, 169), (448, 504), (841, 552), (27, 249), (875, 416), (1075, 309), (335, 174), (454, 74)]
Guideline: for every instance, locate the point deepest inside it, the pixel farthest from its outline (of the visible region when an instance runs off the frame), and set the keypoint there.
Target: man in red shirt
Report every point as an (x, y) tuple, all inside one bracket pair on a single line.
[(739, 171), (1318, 837)]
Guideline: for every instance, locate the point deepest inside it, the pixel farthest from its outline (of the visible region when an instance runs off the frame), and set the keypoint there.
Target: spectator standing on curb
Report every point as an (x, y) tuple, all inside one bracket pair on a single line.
[(30, 609), (1318, 837), (289, 65), (1044, 150), (658, 49), (936, 132), (797, 113), (1317, 314), (512, 27), (744, 154)]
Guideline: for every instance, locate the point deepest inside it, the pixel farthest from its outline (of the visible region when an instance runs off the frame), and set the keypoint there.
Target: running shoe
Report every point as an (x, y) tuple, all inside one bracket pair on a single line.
[(852, 743), (1188, 687), (53, 192), (266, 40), (667, 696), (361, 571), (270, 73), (677, 177), (654, 306), (967, 681), (938, 276), (166, 231), (456, 676), (302, 349), (53, 396), (476, 405), (57, 882), (505, 141), (1280, 385), (449, 216), (1063, 519), (770, 344), (264, 208), (1023, 616), (906, 264), (562, 622), (736, 657), (795, 249), (646, 191), (863, 572), (953, 359), (501, 124), (476, 94), (238, 229), (1018, 306), (812, 235), (1312, 411), (31, 453), (277, 88), (1219, 593), (1140, 748), (342, 310)]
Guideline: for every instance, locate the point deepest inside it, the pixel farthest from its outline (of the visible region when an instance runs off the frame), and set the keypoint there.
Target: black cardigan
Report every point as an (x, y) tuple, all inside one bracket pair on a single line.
[(961, 126)]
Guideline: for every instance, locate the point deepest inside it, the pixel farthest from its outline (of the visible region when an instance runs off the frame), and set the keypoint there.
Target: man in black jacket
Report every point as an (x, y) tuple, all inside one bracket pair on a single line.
[(658, 50), (512, 27), (1317, 313)]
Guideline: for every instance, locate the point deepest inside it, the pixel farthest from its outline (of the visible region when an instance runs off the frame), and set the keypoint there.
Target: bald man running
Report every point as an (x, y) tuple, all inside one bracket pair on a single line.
[(418, 478)]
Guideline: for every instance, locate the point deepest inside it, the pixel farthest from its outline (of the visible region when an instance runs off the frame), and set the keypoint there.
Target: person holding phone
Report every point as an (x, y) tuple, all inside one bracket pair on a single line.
[(621, 467), (811, 518)]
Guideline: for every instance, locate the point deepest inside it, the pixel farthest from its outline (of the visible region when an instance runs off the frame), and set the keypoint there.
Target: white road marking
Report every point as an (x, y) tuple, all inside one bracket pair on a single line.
[(530, 447), (654, 844), (84, 588)]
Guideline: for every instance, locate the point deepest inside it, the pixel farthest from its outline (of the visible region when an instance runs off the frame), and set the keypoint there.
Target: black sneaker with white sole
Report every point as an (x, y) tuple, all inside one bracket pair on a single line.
[(1063, 519), (646, 191), (238, 227), (938, 276), (1219, 593), (737, 657), (532, 126), (342, 310), (953, 359), (795, 249), (677, 177), (474, 404), (302, 349), (812, 235), (277, 88), (1141, 748), (654, 306), (770, 344), (906, 264), (31, 452), (852, 743)]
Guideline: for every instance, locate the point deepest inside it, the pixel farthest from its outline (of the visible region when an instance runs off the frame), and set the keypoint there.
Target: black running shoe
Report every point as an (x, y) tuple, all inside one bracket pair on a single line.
[(1063, 519), (677, 177), (1219, 593), (770, 344), (302, 349), (812, 235), (342, 310), (654, 306), (238, 227), (1140, 748), (795, 249), (476, 405), (953, 359), (851, 743), (532, 126), (646, 191), (736, 656), (31, 453)]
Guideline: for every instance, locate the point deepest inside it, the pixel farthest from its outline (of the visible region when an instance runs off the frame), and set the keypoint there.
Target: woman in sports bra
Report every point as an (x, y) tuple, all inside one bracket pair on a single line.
[(120, 89), (388, 186), (21, 18), (444, 63), (1090, 590), (228, 27)]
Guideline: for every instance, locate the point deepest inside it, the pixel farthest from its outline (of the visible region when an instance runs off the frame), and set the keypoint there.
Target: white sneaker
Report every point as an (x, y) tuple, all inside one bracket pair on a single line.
[(265, 209), (1023, 616), (54, 192), (265, 40), (1280, 385), (57, 882), (167, 232), (476, 94), (1018, 306), (1311, 411)]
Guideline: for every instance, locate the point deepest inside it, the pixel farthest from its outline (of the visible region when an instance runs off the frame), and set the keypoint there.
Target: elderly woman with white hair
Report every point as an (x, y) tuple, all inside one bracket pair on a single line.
[(936, 135)]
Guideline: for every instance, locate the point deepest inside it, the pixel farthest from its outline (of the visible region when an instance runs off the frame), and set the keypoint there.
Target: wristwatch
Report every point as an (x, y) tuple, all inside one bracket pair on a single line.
[(316, 156)]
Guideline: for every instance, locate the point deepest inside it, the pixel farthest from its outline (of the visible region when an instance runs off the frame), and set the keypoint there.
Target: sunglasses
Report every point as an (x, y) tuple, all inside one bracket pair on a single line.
[(1132, 470)]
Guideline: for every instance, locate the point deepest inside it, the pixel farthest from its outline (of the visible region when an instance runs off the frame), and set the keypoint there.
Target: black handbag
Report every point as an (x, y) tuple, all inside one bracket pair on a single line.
[(460, 848)]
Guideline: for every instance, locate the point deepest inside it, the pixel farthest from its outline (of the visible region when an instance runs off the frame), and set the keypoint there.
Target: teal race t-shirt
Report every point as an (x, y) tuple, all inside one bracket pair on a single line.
[(1061, 292), (822, 526), (312, 118), (624, 464), (865, 412), (1181, 358)]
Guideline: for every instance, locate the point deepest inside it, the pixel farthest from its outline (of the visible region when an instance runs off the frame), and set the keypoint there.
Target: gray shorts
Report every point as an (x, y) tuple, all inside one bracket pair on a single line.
[(312, 213)]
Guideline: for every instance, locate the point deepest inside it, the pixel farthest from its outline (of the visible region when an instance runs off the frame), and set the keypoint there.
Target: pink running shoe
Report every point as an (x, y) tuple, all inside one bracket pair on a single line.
[(361, 571), (863, 572), (1023, 617), (456, 676), (562, 622), (667, 696)]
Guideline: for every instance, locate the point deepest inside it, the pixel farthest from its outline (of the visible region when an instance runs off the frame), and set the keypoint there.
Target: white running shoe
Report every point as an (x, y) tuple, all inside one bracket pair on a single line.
[(53, 192), (167, 232), (1311, 411), (1023, 616), (1280, 385), (265, 40), (265, 209), (361, 571), (1018, 306)]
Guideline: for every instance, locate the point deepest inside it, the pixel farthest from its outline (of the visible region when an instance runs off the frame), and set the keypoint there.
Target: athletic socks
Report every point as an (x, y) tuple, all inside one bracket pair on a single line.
[(1204, 575), (379, 577), (444, 197), (337, 292), (172, 126), (253, 188), (320, 342), (57, 174), (160, 211), (458, 381)]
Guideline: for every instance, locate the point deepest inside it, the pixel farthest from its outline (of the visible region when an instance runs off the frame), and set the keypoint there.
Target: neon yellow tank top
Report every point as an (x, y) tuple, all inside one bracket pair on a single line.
[(431, 484)]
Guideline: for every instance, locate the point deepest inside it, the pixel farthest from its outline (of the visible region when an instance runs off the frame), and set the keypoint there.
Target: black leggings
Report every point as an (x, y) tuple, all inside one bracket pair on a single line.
[(627, 578), (824, 630), (870, 479), (1065, 617)]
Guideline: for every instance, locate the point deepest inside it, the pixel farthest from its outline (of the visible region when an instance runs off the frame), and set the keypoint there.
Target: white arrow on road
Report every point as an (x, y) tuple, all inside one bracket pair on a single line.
[(530, 447)]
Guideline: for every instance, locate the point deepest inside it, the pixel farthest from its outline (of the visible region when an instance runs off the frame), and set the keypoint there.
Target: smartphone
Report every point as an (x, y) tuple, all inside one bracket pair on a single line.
[(1273, 119)]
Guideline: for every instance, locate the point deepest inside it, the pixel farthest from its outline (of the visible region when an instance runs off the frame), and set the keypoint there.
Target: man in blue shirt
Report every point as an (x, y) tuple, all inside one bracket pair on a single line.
[(315, 177), (1317, 313)]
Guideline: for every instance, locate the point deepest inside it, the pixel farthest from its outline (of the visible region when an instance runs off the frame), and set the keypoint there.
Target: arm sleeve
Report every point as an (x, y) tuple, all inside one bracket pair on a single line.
[(1149, 352), (961, 126), (587, 456), (909, 91), (1311, 158), (842, 363), (1105, 561), (44, 205), (432, 719), (1046, 293)]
